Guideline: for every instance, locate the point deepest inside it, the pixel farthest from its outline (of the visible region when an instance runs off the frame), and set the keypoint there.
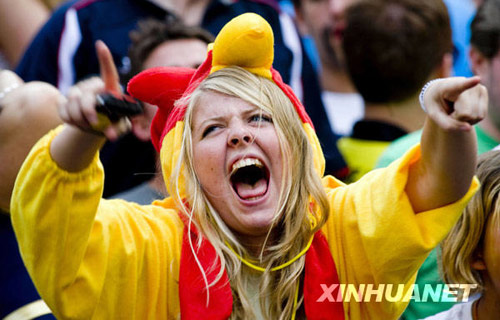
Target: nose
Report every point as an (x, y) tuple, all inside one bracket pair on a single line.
[(239, 135), (337, 7)]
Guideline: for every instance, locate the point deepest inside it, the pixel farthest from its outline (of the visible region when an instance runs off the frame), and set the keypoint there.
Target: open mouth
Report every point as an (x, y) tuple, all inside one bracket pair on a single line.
[(249, 178)]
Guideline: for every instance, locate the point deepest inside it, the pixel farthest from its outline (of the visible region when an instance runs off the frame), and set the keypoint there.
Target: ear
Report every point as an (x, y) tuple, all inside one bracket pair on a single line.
[(141, 127), (141, 124), (477, 260), (477, 61), (446, 66)]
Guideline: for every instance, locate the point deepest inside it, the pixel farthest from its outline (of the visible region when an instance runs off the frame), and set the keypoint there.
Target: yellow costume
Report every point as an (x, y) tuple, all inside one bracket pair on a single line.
[(109, 259)]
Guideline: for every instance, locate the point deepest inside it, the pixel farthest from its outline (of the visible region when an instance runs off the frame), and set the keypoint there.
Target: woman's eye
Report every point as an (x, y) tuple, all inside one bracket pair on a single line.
[(209, 130), (261, 117)]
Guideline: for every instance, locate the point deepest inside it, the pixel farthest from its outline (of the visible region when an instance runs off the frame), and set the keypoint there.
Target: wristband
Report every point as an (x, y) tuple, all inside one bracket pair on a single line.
[(424, 90)]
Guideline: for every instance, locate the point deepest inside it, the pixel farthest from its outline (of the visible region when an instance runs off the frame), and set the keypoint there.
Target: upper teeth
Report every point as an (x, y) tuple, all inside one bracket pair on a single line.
[(245, 163)]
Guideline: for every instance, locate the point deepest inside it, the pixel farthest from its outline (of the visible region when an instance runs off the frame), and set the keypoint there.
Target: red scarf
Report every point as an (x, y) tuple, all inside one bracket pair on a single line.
[(319, 269)]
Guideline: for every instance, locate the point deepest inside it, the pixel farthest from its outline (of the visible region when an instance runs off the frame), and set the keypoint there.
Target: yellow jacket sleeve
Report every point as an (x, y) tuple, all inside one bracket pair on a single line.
[(91, 258), (377, 239)]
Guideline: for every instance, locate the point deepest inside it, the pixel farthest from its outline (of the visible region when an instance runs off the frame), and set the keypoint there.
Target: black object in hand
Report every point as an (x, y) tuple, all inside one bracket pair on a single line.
[(115, 107)]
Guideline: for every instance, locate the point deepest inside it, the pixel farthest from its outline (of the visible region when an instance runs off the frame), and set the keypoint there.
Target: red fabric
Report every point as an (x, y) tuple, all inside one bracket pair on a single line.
[(319, 269), (192, 287), (289, 93), (160, 86)]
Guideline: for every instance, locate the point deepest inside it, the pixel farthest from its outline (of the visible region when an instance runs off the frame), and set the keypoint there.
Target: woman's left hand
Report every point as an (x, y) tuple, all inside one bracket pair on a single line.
[(456, 103)]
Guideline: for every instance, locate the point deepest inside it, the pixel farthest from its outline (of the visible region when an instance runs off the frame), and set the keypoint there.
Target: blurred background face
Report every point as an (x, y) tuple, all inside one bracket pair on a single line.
[(178, 53), (492, 82), (323, 20), (188, 53), (489, 71)]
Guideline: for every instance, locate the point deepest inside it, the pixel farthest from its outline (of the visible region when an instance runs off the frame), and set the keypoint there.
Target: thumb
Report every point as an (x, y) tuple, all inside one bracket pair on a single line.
[(109, 73)]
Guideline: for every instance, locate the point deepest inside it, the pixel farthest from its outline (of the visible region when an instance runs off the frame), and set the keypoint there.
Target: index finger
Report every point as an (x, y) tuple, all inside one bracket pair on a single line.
[(109, 73), (458, 85)]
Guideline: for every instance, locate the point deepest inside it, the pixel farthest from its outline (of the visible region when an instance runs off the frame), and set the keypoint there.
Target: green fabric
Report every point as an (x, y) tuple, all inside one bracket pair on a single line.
[(398, 147), (429, 272)]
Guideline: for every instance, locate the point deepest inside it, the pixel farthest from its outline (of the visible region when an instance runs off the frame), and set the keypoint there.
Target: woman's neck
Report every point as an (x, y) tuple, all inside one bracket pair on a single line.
[(487, 307), (256, 244)]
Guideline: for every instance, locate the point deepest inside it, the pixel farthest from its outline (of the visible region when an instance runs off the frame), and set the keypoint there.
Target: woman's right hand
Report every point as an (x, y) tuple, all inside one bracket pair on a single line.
[(79, 107), (75, 147)]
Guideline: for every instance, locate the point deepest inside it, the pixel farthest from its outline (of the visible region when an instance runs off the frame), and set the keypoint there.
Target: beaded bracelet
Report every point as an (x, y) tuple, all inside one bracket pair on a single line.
[(424, 90), (8, 89)]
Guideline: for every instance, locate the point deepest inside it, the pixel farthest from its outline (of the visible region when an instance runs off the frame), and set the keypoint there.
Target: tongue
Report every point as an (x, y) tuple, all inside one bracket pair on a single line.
[(246, 191)]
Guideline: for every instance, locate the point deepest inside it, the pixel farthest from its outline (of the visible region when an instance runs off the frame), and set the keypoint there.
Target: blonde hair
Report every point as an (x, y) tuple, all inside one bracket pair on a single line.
[(460, 247), (302, 209)]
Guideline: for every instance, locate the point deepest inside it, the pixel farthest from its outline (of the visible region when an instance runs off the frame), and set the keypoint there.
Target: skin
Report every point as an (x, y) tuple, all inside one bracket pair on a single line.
[(488, 264), (191, 11), (323, 20), (489, 71), (226, 129), (438, 179), (26, 114), (19, 22)]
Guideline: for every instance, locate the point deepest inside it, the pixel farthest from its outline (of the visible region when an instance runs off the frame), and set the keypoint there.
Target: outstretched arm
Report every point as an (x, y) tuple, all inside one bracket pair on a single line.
[(75, 147), (444, 172)]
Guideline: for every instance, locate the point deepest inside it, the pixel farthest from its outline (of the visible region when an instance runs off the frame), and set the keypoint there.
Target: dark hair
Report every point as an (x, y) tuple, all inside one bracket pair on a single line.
[(392, 46), (151, 33), (485, 28)]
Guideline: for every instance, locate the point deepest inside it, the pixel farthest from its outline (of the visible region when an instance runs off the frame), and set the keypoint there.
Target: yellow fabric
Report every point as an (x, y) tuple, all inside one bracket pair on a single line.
[(100, 259), (169, 156), (360, 155), (319, 159), (246, 41), (376, 238), (121, 263)]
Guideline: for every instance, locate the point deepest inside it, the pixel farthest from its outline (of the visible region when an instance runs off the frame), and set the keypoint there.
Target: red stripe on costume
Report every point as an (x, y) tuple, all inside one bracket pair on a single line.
[(301, 111), (178, 113), (160, 86), (192, 288), (319, 269)]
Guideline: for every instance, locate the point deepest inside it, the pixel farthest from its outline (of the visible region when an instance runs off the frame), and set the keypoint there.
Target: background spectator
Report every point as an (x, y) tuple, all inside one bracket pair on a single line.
[(63, 53), (160, 43), (392, 49)]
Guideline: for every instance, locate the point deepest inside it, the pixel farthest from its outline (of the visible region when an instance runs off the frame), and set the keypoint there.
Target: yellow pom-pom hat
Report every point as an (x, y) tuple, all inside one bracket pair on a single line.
[(246, 41)]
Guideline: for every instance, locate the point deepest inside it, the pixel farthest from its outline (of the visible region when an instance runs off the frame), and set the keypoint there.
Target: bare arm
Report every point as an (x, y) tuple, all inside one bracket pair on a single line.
[(20, 20), (75, 147), (449, 150)]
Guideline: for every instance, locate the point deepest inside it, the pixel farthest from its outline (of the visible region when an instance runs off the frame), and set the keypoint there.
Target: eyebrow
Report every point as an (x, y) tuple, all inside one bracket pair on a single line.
[(245, 112)]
